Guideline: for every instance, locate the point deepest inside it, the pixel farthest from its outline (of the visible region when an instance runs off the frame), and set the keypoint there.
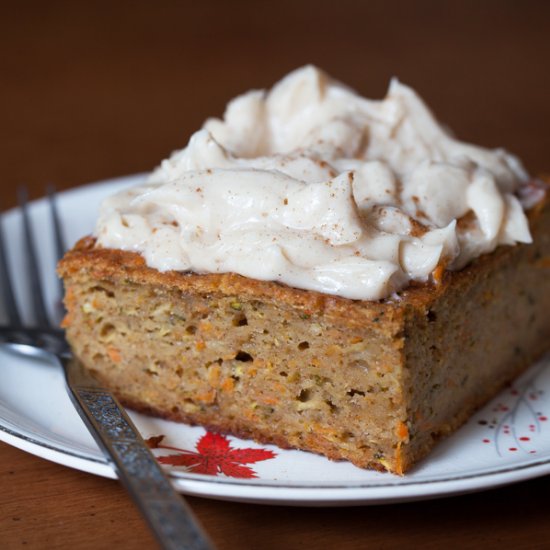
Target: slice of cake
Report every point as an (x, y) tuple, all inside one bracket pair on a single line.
[(318, 271)]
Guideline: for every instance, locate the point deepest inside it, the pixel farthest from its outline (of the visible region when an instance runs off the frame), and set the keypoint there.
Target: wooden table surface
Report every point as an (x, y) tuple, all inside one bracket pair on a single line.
[(101, 89)]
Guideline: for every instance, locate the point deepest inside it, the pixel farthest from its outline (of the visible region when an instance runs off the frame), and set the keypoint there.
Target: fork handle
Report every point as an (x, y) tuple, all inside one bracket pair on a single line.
[(168, 515)]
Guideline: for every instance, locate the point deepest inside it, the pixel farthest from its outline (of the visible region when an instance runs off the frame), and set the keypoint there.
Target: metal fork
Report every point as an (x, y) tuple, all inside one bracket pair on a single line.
[(168, 515)]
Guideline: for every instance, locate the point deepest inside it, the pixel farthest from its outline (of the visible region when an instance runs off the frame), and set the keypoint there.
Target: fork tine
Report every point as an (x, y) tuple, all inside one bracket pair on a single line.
[(35, 286), (8, 294), (58, 235), (59, 247)]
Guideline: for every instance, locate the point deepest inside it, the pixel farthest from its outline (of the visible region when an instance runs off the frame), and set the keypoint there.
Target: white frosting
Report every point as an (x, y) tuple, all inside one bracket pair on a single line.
[(313, 186)]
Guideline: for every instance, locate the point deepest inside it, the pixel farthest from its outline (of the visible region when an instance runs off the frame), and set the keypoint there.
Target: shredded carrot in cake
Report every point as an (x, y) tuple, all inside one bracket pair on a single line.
[(70, 300), (269, 400), (114, 354), (402, 431), (207, 397), (200, 345), (205, 326), (279, 387), (67, 320), (228, 385), (437, 274)]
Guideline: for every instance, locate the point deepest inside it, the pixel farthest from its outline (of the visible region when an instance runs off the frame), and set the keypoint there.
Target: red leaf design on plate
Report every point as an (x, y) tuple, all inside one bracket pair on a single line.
[(248, 456), (212, 443), (188, 460), (233, 469), (215, 456)]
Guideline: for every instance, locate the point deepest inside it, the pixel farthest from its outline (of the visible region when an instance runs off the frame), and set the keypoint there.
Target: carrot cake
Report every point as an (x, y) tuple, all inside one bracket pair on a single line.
[(320, 271)]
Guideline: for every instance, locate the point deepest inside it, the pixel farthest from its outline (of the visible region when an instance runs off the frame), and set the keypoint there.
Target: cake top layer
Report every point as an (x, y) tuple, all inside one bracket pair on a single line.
[(314, 186)]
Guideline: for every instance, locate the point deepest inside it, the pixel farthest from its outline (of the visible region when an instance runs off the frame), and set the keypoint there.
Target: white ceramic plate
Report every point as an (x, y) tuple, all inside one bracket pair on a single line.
[(508, 441)]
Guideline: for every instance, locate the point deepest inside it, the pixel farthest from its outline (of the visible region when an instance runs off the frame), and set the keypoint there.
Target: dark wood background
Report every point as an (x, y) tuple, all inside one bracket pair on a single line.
[(100, 89)]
